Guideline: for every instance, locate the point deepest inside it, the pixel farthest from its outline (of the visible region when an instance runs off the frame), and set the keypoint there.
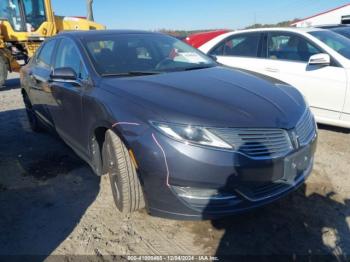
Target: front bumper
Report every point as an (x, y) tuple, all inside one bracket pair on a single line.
[(241, 183)]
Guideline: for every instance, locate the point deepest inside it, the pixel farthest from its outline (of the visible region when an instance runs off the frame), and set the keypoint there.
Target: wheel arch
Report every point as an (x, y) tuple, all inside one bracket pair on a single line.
[(96, 142)]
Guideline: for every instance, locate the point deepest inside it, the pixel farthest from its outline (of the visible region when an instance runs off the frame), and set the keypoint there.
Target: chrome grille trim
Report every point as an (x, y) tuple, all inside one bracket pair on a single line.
[(306, 128), (257, 143)]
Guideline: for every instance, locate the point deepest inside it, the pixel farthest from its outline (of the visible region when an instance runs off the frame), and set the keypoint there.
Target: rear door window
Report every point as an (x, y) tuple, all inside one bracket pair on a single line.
[(244, 45)]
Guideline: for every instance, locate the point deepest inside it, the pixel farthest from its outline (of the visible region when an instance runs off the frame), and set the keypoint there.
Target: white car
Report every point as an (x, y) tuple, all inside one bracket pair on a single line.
[(315, 61)]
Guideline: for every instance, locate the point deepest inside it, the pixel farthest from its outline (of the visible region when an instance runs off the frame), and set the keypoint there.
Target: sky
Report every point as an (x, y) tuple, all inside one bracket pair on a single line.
[(193, 14)]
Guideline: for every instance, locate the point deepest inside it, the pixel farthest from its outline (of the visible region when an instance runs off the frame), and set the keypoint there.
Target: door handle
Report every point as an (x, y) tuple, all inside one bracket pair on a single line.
[(272, 70)]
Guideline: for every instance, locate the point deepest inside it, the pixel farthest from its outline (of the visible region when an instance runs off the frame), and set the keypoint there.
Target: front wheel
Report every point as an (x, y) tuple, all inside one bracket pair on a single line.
[(126, 186), (3, 71)]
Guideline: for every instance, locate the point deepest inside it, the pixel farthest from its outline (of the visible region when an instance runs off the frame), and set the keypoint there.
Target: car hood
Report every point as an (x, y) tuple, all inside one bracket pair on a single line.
[(215, 96)]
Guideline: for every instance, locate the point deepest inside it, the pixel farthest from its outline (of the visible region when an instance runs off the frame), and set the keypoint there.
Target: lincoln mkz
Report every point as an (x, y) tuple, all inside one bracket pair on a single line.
[(176, 132)]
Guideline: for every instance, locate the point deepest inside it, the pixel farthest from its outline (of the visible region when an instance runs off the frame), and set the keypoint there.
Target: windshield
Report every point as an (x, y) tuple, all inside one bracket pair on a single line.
[(125, 53), (343, 31), (335, 41), (10, 10)]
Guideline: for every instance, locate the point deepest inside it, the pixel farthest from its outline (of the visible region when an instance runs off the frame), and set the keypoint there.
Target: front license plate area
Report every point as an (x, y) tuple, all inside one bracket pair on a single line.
[(296, 164)]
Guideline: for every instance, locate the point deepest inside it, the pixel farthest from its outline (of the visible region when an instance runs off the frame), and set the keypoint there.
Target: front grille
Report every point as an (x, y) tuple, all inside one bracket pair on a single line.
[(269, 190), (306, 128), (257, 143)]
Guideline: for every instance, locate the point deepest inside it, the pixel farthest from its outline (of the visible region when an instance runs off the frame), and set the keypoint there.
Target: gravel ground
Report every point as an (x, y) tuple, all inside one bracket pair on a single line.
[(51, 203)]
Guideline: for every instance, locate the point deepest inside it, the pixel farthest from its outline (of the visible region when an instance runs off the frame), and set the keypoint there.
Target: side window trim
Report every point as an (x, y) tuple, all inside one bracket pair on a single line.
[(264, 43), (56, 52), (260, 45)]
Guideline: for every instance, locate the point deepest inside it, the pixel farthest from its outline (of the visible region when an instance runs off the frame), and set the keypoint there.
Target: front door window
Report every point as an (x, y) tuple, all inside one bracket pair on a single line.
[(68, 56), (290, 47)]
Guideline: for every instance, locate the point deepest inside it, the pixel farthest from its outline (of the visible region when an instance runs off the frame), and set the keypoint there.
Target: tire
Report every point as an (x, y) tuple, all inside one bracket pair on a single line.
[(34, 122), (126, 186), (3, 71)]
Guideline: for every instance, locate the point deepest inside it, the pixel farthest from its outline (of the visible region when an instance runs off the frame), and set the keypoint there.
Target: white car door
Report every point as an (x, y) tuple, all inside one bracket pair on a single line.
[(345, 117), (240, 51), (323, 86), (346, 113)]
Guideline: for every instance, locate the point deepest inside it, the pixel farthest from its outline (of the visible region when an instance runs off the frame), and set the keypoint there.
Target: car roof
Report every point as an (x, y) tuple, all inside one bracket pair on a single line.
[(287, 29), (331, 26), (340, 29), (267, 29), (92, 33)]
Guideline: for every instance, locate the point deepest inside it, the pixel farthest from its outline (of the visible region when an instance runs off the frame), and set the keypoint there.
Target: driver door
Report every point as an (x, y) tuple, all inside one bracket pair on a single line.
[(66, 109)]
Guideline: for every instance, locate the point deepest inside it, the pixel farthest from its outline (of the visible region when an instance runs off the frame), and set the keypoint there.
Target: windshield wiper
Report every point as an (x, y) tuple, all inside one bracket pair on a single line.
[(198, 67), (133, 73)]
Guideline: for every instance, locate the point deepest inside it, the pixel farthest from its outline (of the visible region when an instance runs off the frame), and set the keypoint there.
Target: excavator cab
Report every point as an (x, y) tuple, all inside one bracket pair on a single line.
[(25, 24), (24, 15)]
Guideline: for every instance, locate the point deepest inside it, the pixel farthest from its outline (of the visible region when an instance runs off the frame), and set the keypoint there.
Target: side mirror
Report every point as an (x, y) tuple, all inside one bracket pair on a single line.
[(320, 60), (64, 74)]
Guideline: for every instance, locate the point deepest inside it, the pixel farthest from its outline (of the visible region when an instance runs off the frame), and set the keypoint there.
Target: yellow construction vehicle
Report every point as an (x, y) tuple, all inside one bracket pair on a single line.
[(25, 24)]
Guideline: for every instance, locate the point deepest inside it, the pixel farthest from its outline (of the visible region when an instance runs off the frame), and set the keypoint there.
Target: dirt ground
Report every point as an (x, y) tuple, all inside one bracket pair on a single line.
[(51, 203)]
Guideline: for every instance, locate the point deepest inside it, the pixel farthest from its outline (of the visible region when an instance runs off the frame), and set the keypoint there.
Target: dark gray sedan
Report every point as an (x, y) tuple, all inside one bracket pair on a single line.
[(176, 133)]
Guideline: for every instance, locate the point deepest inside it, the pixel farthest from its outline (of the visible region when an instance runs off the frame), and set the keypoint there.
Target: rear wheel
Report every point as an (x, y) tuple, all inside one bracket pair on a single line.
[(3, 71), (126, 186), (34, 122)]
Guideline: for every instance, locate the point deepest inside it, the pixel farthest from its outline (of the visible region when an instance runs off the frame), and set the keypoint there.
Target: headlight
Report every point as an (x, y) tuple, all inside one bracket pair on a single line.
[(191, 135)]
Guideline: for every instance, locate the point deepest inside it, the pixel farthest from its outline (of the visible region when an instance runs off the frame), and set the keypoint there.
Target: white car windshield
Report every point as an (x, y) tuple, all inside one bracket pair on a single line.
[(335, 41)]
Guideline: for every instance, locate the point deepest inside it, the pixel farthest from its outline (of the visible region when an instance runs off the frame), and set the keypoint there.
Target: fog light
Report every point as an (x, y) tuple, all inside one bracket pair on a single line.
[(200, 193)]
